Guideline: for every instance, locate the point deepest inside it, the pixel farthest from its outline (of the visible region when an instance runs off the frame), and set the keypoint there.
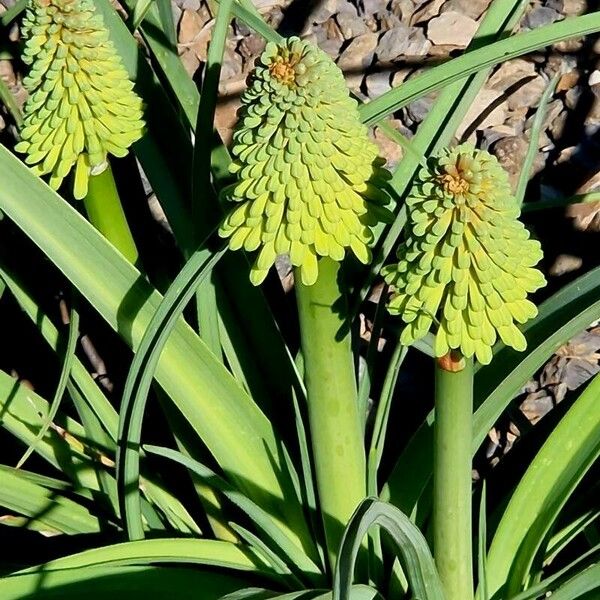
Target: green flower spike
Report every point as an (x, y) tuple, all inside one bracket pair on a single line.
[(81, 103), (467, 262), (309, 179)]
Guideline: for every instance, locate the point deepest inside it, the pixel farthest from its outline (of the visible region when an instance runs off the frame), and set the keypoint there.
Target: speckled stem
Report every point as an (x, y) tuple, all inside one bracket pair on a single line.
[(335, 427), (452, 536)]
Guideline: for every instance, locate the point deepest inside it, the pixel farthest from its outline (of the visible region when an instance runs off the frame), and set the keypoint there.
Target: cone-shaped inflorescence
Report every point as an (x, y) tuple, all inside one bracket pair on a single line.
[(309, 179), (467, 263), (81, 103)]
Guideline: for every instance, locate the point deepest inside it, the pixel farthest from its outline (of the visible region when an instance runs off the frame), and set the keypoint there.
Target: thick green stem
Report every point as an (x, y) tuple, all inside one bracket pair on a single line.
[(335, 426), (105, 213), (452, 536)]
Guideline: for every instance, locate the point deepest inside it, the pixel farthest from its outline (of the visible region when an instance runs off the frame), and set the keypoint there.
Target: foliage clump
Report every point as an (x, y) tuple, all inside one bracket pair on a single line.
[(467, 263), (309, 179), (81, 103)]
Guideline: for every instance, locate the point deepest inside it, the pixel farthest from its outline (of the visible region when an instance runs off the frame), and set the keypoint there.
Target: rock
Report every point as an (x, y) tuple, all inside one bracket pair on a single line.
[(529, 94), (510, 153), (572, 97), (451, 28), (536, 405), (470, 8), (324, 10), (350, 24), (389, 149), (565, 263), (331, 47), (540, 16), (393, 43), (404, 9), (417, 44), (567, 81), (188, 4), (251, 46), (359, 53), (520, 79), (378, 83), (194, 35), (231, 67), (371, 7), (226, 117), (418, 109), (485, 111), (510, 72), (574, 7), (430, 10), (386, 21), (594, 78)]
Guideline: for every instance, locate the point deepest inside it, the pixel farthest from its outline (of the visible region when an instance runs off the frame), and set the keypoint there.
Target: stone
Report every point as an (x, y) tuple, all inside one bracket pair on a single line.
[(510, 152), (324, 10), (487, 110), (428, 12), (452, 28), (536, 405), (418, 109), (470, 8), (389, 149), (529, 94), (350, 24), (510, 72), (574, 7), (403, 9), (378, 83), (359, 53), (565, 263), (393, 43), (417, 44), (540, 16)]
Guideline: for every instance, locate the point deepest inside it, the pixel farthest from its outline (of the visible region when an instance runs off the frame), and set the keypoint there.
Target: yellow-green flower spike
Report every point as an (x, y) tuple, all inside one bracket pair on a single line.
[(81, 103), (467, 264), (309, 179)]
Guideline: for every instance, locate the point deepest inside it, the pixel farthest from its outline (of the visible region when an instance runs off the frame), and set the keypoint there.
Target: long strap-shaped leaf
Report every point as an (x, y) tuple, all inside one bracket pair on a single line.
[(298, 563), (134, 583), (406, 538), (20, 494), (534, 506), (237, 433), (139, 380)]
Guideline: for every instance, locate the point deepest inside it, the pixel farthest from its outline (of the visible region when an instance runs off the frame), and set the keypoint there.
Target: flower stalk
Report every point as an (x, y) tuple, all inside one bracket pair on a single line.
[(335, 425), (105, 212), (452, 530)]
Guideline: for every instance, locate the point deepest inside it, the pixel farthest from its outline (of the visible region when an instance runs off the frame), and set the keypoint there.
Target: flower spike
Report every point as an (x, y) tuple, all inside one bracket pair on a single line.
[(467, 263), (309, 179), (81, 103)]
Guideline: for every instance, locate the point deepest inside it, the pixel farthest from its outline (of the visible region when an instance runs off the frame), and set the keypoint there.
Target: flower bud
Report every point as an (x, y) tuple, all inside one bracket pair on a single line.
[(81, 104), (309, 179), (467, 263)]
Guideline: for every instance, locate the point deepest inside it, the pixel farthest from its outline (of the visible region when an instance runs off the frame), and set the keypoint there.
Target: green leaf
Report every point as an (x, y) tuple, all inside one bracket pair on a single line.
[(133, 583), (407, 540), (563, 460), (534, 136), (237, 433), (20, 494), (139, 380), (65, 371), (580, 586), (296, 560), (471, 62)]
